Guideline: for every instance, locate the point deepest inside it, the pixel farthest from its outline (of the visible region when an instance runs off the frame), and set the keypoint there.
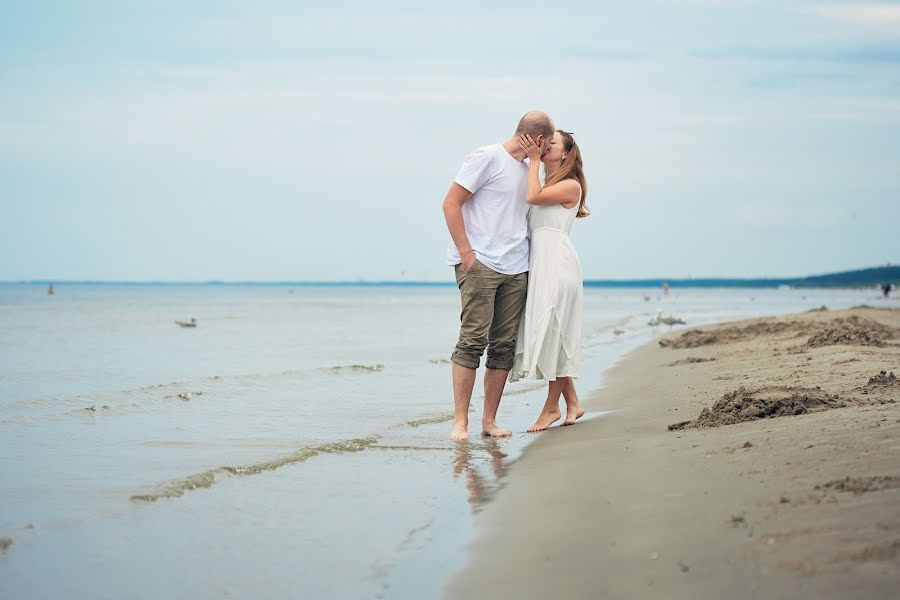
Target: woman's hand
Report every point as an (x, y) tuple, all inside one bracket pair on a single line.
[(532, 149)]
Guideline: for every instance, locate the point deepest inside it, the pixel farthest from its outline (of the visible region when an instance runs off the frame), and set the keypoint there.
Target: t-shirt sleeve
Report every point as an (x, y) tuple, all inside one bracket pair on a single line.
[(475, 171)]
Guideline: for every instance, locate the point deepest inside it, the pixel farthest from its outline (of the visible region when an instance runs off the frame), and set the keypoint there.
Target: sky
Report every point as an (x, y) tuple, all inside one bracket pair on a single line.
[(273, 141)]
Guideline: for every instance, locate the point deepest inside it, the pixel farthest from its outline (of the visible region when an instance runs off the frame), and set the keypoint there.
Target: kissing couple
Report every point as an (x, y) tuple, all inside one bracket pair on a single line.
[(518, 274)]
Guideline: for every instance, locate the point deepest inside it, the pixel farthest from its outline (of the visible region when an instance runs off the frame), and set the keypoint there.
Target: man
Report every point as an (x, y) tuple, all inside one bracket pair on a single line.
[(487, 217)]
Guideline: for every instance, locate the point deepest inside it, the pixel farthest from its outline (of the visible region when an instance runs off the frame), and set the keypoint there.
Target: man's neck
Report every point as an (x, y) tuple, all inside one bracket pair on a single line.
[(513, 148)]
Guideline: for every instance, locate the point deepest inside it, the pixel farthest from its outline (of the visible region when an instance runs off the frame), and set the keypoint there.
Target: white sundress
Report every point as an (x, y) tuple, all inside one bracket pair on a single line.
[(550, 339)]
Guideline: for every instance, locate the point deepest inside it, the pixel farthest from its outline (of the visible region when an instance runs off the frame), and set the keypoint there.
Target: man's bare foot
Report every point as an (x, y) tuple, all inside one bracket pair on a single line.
[(460, 431), (573, 413), (491, 430), (545, 420)]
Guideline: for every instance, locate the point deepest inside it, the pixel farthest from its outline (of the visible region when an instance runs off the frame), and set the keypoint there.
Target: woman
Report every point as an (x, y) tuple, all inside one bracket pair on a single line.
[(549, 342)]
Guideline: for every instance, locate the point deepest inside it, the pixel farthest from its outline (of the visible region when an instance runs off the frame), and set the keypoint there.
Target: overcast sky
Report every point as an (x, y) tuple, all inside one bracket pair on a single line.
[(316, 140)]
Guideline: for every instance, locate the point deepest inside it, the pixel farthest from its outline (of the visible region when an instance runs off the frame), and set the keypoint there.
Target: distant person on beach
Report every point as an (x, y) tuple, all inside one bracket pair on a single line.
[(50, 290), (886, 290), (487, 217), (550, 335)]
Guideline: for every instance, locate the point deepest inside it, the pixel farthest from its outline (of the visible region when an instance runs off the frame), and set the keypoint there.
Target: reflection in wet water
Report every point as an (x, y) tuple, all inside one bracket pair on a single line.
[(483, 468)]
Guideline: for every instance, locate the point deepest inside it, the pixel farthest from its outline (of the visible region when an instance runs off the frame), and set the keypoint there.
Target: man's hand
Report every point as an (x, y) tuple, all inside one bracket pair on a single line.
[(457, 195), (468, 259)]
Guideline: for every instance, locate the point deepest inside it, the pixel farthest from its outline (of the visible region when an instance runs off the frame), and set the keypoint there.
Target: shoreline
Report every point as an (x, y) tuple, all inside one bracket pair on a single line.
[(622, 507)]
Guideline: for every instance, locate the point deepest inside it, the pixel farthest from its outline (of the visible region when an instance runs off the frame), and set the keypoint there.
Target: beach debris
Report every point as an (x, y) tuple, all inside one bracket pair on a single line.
[(684, 568), (185, 395), (844, 362), (861, 485), (654, 555), (660, 319), (882, 552), (444, 418), (784, 500), (91, 408), (822, 308), (747, 445), (191, 323), (5, 542), (618, 331), (440, 361), (376, 368), (738, 520), (763, 403), (672, 321), (690, 360)]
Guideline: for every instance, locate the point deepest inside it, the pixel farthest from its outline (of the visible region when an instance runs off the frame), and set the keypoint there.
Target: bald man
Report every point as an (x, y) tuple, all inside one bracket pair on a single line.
[(487, 217)]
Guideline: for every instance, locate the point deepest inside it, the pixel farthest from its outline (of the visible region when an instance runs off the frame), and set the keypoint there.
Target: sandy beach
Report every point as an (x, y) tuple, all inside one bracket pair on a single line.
[(758, 459)]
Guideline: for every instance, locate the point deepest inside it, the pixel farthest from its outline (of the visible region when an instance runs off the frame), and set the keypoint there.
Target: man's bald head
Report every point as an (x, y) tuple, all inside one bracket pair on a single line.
[(536, 123)]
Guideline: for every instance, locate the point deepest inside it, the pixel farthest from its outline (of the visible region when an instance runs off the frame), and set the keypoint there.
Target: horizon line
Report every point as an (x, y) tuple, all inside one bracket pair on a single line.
[(642, 281)]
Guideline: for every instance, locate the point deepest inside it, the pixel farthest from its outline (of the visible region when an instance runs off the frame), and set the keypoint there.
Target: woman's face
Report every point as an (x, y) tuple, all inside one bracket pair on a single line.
[(556, 150)]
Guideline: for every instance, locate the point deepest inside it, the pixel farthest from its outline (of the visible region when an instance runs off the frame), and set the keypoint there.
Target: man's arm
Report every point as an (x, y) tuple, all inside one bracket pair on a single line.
[(456, 196)]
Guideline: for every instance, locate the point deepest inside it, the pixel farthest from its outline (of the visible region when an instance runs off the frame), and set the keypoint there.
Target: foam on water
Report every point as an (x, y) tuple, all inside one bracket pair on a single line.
[(206, 479)]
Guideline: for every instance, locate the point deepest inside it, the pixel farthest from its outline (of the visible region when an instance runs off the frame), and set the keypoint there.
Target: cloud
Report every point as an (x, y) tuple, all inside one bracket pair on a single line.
[(867, 14), (862, 54)]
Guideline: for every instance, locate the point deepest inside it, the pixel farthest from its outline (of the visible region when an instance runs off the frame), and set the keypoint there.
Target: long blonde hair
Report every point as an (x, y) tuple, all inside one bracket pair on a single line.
[(571, 168)]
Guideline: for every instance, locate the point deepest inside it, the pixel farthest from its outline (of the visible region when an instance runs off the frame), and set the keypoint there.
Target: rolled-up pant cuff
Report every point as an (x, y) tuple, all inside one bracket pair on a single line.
[(502, 364), (465, 361)]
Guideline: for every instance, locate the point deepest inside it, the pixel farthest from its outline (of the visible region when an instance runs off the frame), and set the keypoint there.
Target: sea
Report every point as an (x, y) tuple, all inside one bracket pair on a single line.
[(293, 444)]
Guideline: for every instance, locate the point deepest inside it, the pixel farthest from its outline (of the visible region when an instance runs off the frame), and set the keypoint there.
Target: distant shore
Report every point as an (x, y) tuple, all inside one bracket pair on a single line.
[(695, 487), (858, 279)]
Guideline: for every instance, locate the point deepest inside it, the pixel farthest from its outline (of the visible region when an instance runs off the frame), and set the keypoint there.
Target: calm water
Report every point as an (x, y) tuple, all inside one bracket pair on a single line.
[(292, 445)]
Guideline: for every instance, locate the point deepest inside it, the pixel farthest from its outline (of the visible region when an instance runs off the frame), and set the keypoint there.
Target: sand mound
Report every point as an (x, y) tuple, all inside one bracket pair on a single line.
[(695, 338), (861, 485), (852, 331), (690, 339), (764, 403), (884, 379), (883, 388)]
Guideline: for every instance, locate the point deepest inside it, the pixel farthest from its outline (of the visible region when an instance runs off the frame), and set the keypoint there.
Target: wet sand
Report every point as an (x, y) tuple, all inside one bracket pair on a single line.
[(758, 459)]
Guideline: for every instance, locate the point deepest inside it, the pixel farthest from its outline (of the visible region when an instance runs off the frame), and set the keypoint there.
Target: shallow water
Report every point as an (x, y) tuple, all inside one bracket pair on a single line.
[(292, 444)]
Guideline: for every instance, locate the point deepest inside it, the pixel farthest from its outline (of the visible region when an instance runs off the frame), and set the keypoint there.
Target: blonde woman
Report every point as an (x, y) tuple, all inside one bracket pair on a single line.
[(549, 342)]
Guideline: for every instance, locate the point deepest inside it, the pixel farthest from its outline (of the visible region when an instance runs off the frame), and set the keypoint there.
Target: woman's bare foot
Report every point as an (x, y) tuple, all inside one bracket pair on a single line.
[(491, 430), (460, 431), (573, 413), (545, 420)]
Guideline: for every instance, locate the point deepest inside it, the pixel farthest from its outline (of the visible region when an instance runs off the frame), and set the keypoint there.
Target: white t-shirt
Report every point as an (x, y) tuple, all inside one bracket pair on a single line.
[(496, 216)]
